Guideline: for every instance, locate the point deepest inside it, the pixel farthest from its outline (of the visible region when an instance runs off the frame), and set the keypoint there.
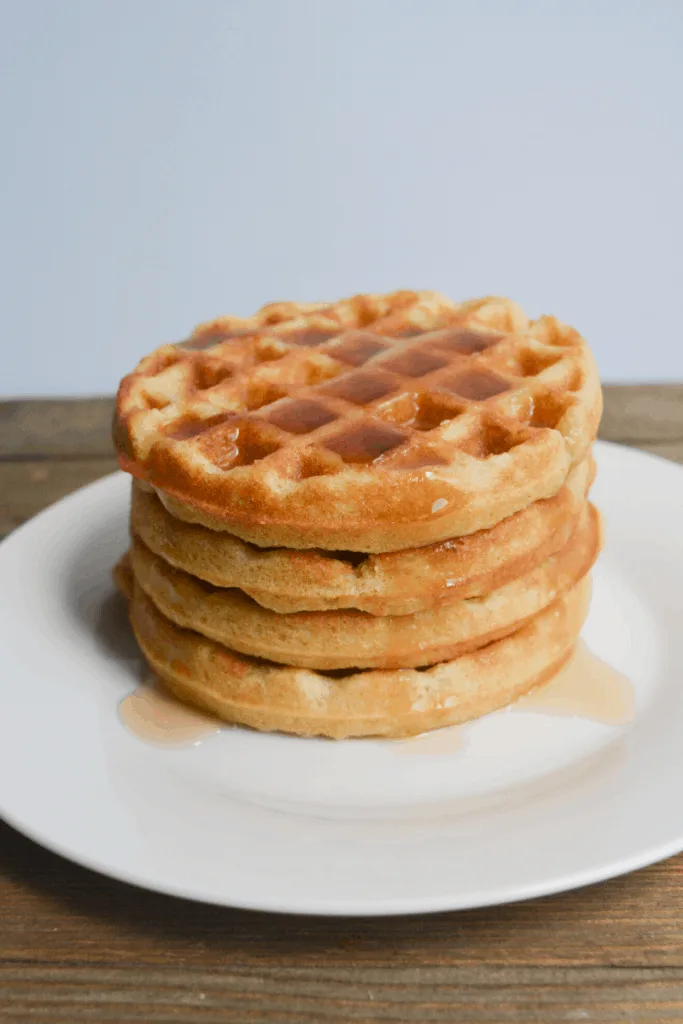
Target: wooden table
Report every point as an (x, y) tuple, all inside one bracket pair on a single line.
[(76, 946)]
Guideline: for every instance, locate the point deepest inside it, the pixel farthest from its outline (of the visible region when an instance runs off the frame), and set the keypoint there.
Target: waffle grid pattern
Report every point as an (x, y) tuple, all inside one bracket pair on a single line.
[(329, 401)]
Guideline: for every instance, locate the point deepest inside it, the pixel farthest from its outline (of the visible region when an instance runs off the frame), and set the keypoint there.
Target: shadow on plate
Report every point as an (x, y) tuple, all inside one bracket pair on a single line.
[(90, 594)]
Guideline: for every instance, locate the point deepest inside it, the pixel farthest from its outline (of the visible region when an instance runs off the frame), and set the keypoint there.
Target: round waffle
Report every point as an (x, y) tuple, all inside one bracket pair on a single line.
[(395, 583), (348, 638), (394, 703), (374, 424)]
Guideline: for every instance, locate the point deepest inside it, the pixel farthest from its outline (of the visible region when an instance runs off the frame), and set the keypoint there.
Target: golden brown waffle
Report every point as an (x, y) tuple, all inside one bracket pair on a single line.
[(375, 424), (394, 583), (391, 703), (347, 638)]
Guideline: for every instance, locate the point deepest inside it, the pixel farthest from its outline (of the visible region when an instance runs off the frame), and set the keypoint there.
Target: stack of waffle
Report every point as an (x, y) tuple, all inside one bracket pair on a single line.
[(364, 518)]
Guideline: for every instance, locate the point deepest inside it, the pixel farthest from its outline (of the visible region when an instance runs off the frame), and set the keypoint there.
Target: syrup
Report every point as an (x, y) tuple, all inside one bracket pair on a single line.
[(366, 442), (309, 337), (439, 742), (465, 342), (416, 459), (190, 426), (587, 687), (476, 385), (300, 416), (415, 362), (357, 349), (361, 387), (156, 717)]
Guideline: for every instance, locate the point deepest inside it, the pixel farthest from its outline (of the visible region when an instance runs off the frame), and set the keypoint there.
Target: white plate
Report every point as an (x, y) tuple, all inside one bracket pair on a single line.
[(531, 804)]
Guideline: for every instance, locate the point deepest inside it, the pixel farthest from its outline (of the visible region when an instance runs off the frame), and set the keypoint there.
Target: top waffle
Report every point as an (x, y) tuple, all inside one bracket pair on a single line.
[(372, 424)]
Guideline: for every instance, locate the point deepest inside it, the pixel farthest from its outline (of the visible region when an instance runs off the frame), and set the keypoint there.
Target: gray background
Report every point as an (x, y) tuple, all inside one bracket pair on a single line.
[(168, 160)]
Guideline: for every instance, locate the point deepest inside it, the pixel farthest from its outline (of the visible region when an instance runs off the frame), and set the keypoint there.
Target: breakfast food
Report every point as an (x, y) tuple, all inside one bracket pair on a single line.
[(346, 638), (362, 518), (345, 429), (389, 703), (392, 583)]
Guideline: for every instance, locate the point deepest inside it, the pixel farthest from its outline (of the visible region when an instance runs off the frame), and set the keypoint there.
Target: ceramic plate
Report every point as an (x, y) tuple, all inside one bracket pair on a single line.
[(521, 805)]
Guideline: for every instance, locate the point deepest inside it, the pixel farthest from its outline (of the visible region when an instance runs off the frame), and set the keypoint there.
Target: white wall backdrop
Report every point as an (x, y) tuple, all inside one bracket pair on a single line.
[(168, 160)]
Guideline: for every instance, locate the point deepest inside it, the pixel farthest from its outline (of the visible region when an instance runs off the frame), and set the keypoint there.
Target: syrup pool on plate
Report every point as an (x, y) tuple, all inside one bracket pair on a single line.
[(586, 687), (157, 717)]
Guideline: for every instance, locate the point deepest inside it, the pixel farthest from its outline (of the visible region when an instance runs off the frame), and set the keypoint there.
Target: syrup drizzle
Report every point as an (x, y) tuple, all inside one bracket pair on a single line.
[(156, 717), (439, 742), (586, 687)]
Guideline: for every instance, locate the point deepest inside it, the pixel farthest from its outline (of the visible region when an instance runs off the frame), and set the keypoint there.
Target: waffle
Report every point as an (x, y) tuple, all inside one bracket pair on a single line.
[(391, 703), (396, 583), (347, 638), (375, 424)]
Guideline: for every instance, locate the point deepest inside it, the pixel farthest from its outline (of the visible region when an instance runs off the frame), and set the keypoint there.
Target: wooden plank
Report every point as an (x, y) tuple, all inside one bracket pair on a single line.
[(56, 912), (82, 427), (309, 995), (56, 427), (643, 413), (28, 487)]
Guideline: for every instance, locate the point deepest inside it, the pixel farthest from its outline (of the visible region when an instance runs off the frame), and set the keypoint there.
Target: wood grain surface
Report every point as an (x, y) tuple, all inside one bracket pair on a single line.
[(77, 946)]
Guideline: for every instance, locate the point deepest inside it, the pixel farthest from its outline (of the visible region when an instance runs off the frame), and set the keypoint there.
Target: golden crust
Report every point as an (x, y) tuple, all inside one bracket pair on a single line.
[(460, 416), (390, 703), (393, 583), (347, 638)]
